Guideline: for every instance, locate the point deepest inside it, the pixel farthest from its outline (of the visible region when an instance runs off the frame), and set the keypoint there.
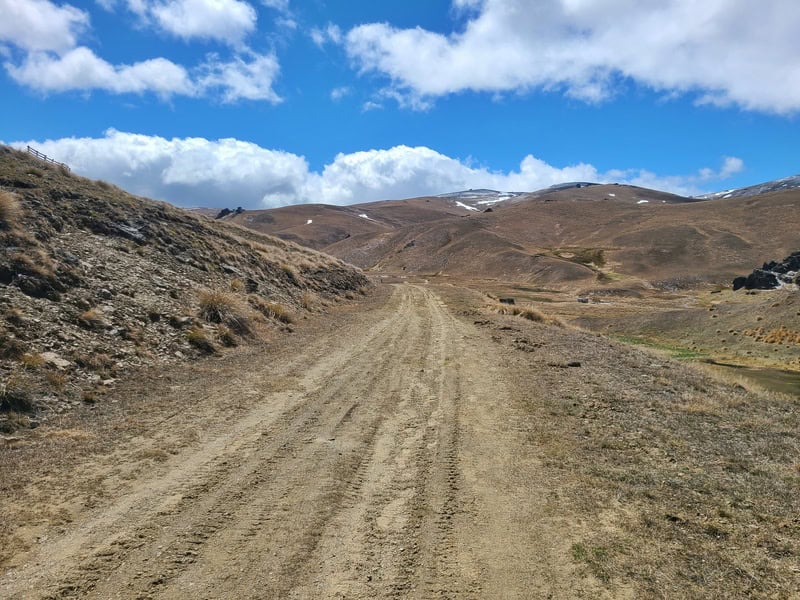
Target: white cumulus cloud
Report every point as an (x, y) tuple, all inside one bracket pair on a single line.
[(81, 69), (242, 80), (227, 21), (726, 51), (226, 172), (38, 25), (51, 60)]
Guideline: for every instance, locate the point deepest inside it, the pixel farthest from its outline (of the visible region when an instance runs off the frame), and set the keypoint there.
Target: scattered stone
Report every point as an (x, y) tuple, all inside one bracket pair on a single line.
[(231, 270), (51, 358), (180, 322)]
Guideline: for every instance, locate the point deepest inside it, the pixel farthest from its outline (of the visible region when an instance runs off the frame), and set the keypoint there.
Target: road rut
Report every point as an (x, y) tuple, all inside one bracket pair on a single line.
[(392, 464)]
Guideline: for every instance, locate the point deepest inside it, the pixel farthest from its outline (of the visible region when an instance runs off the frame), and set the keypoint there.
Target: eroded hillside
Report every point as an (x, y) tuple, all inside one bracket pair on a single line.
[(95, 282)]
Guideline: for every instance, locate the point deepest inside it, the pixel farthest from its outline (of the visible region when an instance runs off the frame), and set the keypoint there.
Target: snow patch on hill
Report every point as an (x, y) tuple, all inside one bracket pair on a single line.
[(777, 185)]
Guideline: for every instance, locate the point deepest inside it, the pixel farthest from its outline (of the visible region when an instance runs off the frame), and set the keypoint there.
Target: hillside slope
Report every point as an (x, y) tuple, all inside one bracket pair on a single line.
[(95, 282), (577, 235)]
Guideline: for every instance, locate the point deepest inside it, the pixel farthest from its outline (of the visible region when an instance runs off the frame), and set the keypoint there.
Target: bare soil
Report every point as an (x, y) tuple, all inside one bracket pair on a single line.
[(411, 445)]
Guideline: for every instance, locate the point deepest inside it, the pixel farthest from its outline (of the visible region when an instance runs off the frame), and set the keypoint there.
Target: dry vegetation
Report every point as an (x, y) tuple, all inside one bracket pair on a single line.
[(679, 485), (526, 312), (89, 270), (9, 210)]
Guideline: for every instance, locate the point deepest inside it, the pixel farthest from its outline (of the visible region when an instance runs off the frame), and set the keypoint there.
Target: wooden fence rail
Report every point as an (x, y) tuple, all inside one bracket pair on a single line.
[(46, 158)]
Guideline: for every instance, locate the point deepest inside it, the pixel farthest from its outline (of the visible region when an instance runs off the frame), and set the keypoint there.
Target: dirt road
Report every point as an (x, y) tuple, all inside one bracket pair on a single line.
[(404, 447), (388, 465)]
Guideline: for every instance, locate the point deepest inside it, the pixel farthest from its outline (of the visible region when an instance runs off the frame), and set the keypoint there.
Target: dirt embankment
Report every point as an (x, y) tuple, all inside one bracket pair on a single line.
[(416, 447)]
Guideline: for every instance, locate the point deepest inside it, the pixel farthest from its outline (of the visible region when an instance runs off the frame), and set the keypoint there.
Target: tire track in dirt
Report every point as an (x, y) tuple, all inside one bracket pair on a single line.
[(208, 483), (387, 470)]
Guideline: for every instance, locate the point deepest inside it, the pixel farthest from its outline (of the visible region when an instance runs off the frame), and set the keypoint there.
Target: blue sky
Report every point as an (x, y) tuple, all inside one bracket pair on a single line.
[(270, 102)]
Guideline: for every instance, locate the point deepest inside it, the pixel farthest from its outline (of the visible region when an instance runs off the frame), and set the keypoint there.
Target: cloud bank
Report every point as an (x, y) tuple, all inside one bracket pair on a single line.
[(49, 59), (725, 51), (230, 172)]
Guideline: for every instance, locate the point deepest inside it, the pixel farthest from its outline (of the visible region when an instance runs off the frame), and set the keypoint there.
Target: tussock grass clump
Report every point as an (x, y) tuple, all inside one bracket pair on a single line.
[(9, 210), (222, 308), (527, 312), (11, 348), (31, 361), (308, 300), (227, 337), (91, 319), (216, 306), (272, 310), (197, 337), (99, 362)]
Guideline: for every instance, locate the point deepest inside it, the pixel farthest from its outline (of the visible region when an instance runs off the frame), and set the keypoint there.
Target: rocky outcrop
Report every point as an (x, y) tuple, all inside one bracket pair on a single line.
[(771, 275)]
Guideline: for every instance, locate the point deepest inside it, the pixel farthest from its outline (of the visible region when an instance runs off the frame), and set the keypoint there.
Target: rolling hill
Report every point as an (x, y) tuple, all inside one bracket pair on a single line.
[(575, 233)]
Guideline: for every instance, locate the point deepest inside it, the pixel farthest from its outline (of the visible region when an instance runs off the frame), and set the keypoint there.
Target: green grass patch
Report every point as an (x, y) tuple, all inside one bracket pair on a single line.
[(677, 352)]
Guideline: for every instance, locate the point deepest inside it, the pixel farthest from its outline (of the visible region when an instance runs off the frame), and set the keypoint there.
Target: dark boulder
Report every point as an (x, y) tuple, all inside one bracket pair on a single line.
[(771, 275), (761, 280)]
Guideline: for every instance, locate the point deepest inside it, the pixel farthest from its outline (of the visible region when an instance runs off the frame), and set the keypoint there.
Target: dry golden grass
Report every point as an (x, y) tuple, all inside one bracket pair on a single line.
[(9, 209), (77, 435), (11, 348), (224, 309), (779, 335), (526, 312), (272, 310), (31, 361), (308, 300), (198, 338), (91, 319)]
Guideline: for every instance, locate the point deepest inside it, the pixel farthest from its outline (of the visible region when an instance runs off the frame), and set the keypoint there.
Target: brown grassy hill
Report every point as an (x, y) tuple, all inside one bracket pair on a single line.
[(328, 224), (331, 224), (674, 243), (611, 234), (95, 282)]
